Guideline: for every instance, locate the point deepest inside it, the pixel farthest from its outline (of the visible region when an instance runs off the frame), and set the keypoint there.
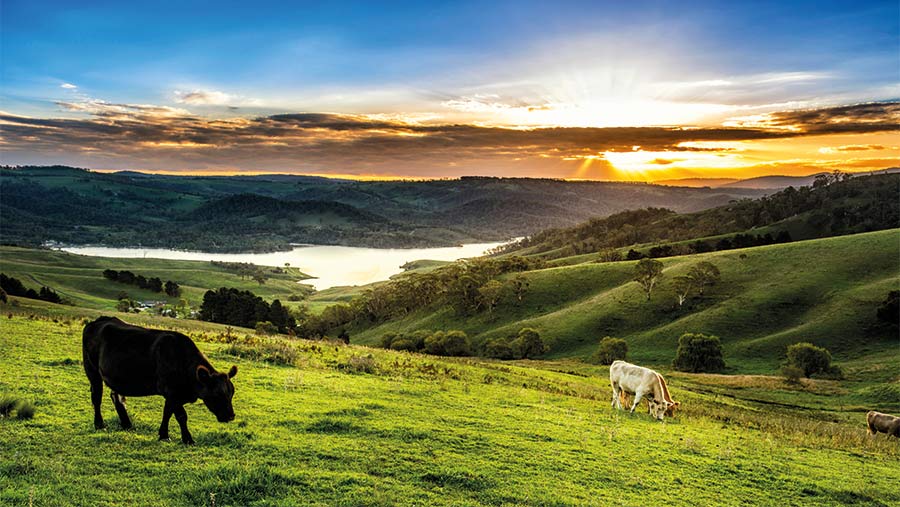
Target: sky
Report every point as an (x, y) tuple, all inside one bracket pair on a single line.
[(635, 90)]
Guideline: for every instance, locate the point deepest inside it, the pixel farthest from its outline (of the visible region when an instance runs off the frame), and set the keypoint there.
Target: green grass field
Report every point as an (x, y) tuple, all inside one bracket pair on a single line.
[(417, 430), (824, 291), (79, 278)]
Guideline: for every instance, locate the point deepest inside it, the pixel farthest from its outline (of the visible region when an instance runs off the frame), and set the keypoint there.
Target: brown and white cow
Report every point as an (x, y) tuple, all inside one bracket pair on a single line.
[(884, 423), (629, 378)]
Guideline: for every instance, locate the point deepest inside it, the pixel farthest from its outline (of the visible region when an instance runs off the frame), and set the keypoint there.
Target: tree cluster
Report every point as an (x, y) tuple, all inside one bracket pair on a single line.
[(440, 343), (468, 287), (153, 284), (527, 344), (14, 287), (703, 274), (245, 270), (834, 205), (243, 308)]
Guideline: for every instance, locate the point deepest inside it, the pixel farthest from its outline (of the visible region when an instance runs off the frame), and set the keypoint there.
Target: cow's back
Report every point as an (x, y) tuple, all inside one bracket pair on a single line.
[(122, 354)]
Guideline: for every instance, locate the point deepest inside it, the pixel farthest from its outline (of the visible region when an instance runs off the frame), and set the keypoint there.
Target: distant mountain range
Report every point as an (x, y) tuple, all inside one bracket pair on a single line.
[(773, 182), (270, 212)]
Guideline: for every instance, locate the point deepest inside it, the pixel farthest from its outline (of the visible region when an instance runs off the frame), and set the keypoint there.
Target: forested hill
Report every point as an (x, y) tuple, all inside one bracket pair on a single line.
[(130, 208), (834, 205)]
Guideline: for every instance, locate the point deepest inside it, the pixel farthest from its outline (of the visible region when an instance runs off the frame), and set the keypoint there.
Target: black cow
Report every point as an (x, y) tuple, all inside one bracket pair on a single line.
[(135, 361)]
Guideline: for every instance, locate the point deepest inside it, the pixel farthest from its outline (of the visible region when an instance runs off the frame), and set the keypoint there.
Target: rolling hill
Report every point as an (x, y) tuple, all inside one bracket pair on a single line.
[(76, 206), (825, 291)]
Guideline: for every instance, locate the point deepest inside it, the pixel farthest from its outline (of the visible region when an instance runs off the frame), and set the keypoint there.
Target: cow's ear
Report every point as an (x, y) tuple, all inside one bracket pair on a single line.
[(232, 372), (202, 373)]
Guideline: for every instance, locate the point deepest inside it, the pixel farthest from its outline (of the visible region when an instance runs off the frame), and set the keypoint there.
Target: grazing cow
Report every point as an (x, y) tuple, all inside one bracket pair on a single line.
[(628, 378), (884, 423), (135, 361)]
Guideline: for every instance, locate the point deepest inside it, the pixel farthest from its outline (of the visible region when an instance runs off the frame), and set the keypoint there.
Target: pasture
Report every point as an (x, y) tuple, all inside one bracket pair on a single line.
[(325, 424)]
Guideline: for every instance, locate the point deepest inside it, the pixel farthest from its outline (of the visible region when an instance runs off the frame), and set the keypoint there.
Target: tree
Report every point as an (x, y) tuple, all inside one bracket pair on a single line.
[(609, 255), (682, 287), (519, 286), (125, 305), (704, 274), (528, 344), (809, 358), (491, 292), (647, 273), (49, 295), (172, 289), (633, 255), (155, 284), (699, 353), (3, 298), (609, 350)]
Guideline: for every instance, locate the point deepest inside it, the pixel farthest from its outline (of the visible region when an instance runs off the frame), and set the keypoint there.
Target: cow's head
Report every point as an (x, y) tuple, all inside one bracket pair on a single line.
[(663, 408), (216, 391)]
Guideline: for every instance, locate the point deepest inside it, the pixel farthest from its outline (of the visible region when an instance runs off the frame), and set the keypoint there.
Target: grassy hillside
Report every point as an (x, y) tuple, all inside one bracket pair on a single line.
[(824, 291), (79, 279), (834, 206), (318, 430)]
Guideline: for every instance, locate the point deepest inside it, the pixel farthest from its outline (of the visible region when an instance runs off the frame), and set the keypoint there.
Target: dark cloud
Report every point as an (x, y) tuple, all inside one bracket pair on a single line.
[(157, 137), (857, 118)]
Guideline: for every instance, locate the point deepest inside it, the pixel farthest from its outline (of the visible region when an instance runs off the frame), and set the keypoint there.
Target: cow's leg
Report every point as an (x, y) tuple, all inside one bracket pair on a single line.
[(615, 398), (96, 397), (168, 410), (181, 417), (637, 400), (119, 402)]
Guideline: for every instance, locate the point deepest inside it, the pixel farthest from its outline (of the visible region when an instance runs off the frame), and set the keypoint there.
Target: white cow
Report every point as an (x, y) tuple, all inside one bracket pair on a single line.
[(640, 381)]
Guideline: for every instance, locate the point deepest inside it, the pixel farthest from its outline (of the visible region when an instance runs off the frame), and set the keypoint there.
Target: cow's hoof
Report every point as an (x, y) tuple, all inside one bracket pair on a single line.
[(101, 426), (189, 441), (164, 438)]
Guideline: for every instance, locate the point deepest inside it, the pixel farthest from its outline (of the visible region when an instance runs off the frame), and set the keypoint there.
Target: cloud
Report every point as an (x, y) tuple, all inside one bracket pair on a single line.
[(852, 147), (114, 135), (199, 97), (68, 86)]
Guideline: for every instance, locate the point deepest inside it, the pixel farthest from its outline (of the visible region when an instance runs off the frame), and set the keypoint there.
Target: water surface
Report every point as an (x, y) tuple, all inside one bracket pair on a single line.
[(331, 265)]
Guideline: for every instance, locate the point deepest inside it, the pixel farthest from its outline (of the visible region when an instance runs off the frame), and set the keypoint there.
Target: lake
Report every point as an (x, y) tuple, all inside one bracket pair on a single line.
[(332, 266)]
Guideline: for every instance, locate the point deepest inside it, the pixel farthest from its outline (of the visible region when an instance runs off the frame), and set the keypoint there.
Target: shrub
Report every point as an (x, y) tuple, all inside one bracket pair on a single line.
[(609, 350), (360, 364), (456, 343), (528, 344), (268, 350), (403, 344), (387, 339), (265, 328), (25, 410), (7, 405), (791, 374), (498, 349), (434, 344), (809, 358), (698, 353)]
